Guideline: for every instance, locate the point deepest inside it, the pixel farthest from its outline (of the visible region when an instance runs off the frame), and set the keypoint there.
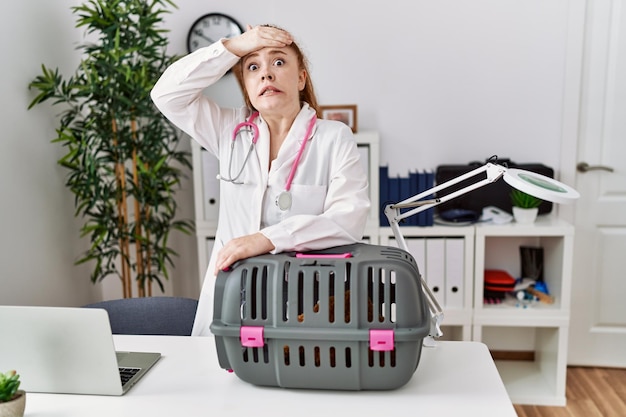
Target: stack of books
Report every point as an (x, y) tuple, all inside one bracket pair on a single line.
[(397, 189)]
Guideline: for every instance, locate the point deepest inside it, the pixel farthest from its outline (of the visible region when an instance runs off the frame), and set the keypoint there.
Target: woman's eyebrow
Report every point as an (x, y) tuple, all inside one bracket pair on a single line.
[(254, 55)]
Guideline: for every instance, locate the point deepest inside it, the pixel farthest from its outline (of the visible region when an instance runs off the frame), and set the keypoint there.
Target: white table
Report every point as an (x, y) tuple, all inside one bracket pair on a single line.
[(452, 379)]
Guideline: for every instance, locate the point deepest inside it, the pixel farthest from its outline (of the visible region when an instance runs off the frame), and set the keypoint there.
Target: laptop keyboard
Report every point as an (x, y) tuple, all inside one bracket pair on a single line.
[(127, 373)]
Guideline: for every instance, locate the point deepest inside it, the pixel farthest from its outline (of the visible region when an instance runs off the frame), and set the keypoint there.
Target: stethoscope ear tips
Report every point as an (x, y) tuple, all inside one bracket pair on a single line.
[(218, 177)]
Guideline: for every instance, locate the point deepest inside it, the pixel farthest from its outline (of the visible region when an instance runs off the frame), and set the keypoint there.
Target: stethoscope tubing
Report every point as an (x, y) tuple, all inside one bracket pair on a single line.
[(292, 172), (283, 201), (248, 124)]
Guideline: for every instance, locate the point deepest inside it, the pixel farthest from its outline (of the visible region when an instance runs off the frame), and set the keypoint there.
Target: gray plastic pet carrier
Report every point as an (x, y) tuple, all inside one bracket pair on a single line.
[(347, 318)]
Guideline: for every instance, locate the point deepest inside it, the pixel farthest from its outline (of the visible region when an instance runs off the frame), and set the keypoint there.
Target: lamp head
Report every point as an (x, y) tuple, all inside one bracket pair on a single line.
[(540, 186)]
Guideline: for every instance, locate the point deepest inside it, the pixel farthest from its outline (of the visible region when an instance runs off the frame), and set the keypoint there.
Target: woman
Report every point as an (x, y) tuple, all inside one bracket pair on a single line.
[(262, 210)]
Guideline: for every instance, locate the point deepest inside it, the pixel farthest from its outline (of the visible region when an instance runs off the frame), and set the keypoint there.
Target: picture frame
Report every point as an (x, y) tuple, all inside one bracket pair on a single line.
[(346, 113)]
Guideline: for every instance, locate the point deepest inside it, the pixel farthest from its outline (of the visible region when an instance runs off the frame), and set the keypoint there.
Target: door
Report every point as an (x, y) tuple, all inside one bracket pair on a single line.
[(598, 319)]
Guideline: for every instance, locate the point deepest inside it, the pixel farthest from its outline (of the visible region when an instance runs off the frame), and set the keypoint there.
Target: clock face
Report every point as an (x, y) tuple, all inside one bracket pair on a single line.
[(210, 28)]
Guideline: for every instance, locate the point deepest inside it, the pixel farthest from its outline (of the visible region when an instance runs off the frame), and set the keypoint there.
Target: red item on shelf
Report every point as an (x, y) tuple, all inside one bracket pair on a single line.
[(498, 280)]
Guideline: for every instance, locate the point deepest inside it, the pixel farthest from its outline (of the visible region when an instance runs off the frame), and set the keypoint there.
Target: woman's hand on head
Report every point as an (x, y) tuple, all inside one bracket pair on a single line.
[(258, 37), (242, 248)]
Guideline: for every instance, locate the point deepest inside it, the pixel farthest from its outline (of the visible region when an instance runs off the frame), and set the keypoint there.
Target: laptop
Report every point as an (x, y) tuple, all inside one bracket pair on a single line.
[(67, 350)]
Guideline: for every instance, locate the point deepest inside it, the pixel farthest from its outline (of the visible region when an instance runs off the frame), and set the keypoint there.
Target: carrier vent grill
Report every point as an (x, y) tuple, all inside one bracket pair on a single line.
[(381, 359), (316, 356), (395, 253), (333, 357), (381, 295), (256, 354), (253, 293), (312, 292)]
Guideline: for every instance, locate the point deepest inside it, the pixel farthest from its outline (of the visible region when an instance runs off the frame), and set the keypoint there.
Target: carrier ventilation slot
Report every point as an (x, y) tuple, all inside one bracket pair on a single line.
[(316, 356), (395, 253), (285, 292), (381, 295), (256, 354), (253, 293), (381, 359)]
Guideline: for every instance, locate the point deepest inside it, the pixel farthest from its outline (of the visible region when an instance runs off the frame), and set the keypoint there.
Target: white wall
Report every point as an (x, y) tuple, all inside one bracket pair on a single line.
[(446, 81)]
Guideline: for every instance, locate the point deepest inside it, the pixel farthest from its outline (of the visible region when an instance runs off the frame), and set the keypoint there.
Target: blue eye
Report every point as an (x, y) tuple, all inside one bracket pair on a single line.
[(253, 67)]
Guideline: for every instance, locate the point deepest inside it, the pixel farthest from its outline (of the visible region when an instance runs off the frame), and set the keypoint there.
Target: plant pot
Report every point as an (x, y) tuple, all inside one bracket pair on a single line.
[(525, 215), (15, 407)]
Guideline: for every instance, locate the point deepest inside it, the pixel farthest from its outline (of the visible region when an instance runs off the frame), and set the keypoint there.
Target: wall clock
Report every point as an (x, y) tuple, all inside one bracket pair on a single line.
[(210, 28)]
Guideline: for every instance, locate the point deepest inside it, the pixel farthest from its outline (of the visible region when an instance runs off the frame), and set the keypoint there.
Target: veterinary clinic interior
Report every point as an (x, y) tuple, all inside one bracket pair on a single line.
[(439, 95)]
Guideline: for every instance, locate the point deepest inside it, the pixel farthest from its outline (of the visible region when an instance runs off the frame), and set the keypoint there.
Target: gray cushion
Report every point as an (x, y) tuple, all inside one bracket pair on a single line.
[(150, 315)]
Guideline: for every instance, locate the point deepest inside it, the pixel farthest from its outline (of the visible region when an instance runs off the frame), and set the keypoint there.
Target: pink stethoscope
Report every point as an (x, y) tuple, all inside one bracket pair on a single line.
[(284, 199)]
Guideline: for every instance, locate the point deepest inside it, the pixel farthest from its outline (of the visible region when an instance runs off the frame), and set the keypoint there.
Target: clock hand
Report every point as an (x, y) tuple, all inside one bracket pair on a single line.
[(201, 34)]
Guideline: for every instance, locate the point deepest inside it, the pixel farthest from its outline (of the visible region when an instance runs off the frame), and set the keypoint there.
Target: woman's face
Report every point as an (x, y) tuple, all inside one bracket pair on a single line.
[(273, 80)]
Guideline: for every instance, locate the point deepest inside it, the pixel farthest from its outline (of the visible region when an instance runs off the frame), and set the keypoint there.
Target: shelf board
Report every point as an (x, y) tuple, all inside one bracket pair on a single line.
[(526, 384), (514, 317), (430, 231), (546, 225)]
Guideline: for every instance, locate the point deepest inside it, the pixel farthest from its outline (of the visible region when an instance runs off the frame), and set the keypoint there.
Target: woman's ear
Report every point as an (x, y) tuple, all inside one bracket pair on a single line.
[(302, 80)]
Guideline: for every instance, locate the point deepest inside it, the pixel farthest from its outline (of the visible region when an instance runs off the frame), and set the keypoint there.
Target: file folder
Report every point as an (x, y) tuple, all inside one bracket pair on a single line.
[(210, 186), (454, 277), (417, 248), (435, 267)]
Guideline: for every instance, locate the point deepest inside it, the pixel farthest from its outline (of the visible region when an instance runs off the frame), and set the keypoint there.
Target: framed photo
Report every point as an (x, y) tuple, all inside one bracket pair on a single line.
[(345, 113)]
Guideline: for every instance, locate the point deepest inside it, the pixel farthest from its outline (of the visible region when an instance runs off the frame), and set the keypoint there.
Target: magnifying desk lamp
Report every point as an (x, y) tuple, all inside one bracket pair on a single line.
[(529, 182)]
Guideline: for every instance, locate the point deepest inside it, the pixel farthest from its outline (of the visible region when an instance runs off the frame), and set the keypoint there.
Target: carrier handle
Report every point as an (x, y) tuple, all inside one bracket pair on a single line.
[(324, 255)]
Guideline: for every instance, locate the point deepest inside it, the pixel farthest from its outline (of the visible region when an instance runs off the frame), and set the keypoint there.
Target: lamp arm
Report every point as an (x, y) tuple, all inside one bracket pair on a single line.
[(493, 171)]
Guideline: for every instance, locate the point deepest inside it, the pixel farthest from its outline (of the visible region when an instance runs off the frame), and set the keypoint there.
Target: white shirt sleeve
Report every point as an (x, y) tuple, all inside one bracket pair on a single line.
[(178, 94)]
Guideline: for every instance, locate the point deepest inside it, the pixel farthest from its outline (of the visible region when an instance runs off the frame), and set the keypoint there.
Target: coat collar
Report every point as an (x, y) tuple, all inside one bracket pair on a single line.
[(292, 142)]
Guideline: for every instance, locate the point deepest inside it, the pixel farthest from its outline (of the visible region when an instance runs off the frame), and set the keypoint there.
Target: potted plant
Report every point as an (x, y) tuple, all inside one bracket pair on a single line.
[(121, 152), (525, 206), (12, 399)]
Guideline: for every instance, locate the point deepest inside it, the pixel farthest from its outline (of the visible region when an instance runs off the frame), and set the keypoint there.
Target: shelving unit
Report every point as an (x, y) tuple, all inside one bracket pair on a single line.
[(540, 329)]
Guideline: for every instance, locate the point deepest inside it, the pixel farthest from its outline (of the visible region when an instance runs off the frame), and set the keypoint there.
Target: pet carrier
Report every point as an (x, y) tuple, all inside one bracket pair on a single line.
[(347, 318)]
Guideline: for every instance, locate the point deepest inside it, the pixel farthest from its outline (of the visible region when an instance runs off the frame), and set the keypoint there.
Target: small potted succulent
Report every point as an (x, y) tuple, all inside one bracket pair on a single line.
[(525, 206), (12, 399)]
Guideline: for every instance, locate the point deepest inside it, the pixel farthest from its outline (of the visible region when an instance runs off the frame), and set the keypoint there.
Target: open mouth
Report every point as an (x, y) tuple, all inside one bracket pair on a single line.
[(269, 91)]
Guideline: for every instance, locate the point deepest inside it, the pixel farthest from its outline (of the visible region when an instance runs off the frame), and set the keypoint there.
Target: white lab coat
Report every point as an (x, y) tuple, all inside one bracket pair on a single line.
[(329, 190)]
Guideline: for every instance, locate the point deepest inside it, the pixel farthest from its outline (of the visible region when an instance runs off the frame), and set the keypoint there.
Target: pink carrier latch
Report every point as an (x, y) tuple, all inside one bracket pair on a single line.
[(251, 336), (381, 340)]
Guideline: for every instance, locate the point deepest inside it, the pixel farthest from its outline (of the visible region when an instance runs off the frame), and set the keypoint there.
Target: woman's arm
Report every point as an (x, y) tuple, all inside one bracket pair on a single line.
[(178, 93)]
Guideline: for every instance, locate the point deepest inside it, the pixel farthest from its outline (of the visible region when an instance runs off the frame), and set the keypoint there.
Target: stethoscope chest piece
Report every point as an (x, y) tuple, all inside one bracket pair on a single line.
[(283, 201)]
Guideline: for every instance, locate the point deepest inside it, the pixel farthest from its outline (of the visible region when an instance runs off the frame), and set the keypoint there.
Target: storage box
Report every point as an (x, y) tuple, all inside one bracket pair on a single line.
[(495, 194), (347, 318)]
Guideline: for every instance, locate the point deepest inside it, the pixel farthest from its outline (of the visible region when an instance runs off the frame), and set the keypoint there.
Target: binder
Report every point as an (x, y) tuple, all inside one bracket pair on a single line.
[(421, 186), (417, 248), (405, 192), (383, 197), (454, 274), (429, 182), (435, 267), (394, 193), (414, 185), (210, 186)]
